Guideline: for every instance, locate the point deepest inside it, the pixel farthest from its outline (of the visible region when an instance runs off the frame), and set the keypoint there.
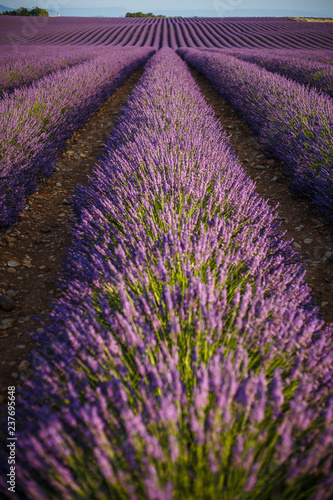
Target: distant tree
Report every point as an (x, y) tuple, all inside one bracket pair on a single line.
[(37, 11), (23, 11), (140, 14)]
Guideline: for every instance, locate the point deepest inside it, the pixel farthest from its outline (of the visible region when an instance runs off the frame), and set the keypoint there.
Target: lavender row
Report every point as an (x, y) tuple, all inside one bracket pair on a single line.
[(321, 56), (37, 121), (173, 32), (294, 122), (28, 66), (186, 355), (304, 71)]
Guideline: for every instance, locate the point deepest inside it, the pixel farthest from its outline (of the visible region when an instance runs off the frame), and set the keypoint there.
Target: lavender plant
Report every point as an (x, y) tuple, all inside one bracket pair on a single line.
[(37, 121), (299, 134), (221, 32), (314, 73), (186, 359), (28, 66)]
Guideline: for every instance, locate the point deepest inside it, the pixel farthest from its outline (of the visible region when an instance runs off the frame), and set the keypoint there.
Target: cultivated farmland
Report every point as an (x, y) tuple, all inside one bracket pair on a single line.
[(187, 350)]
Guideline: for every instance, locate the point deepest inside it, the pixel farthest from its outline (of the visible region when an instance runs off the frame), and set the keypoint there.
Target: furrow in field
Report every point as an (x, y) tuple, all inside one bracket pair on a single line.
[(300, 135), (312, 236), (37, 243), (36, 121), (208, 32)]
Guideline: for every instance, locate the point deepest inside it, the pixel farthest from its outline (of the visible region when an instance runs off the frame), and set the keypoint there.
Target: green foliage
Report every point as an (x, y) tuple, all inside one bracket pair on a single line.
[(23, 11), (140, 14)]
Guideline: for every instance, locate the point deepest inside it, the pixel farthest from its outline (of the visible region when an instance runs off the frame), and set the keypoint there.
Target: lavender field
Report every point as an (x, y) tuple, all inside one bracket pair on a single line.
[(185, 358), (271, 33)]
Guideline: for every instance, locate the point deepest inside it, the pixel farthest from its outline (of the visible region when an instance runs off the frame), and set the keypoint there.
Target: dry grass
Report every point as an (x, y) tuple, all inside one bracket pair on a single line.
[(313, 19)]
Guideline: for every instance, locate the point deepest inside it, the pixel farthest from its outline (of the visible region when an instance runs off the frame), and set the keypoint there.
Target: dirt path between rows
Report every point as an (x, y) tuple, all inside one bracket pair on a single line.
[(31, 254), (313, 238)]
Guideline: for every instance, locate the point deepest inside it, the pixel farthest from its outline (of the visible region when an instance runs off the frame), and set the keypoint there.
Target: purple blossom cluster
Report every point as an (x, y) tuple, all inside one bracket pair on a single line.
[(221, 32), (293, 122), (318, 55), (17, 69), (314, 73), (186, 355), (36, 121)]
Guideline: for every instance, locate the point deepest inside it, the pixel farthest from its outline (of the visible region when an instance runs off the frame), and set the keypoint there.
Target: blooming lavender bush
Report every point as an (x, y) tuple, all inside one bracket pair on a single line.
[(307, 72), (185, 359), (299, 134), (37, 121), (27, 66)]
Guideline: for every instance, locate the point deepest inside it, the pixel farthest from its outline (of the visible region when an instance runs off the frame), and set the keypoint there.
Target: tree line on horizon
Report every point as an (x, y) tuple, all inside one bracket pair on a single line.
[(23, 11), (141, 14), (150, 14)]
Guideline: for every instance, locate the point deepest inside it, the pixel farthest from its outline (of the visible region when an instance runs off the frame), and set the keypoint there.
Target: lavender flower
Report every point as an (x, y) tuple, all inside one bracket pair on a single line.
[(188, 356), (299, 135)]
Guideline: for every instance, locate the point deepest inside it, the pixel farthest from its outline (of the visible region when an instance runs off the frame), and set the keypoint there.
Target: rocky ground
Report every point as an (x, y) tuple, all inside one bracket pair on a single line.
[(311, 235), (31, 254)]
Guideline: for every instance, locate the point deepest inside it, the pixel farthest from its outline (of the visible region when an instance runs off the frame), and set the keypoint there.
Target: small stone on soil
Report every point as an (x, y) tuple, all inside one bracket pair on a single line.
[(6, 303), (327, 257), (12, 263), (24, 366)]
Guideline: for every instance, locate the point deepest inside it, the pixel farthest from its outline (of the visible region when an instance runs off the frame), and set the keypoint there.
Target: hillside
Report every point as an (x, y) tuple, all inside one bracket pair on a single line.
[(3, 8)]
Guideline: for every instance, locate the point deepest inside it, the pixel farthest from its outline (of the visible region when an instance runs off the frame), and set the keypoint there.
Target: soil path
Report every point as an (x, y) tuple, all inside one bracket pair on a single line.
[(31, 254), (313, 238)]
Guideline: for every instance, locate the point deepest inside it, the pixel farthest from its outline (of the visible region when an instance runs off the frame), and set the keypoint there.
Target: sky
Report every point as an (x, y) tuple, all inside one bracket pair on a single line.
[(175, 5)]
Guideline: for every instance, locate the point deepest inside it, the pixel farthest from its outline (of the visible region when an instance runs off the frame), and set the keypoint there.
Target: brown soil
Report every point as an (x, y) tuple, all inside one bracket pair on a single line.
[(39, 240), (313, 238)]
